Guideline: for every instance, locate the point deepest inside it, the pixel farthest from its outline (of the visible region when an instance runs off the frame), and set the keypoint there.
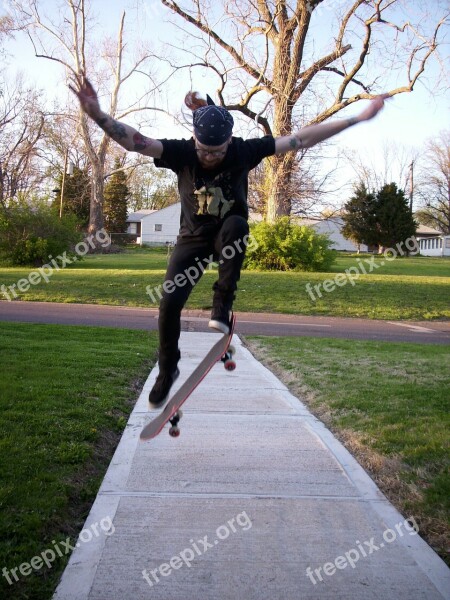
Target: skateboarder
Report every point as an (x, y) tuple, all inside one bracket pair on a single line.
[(212, 169)]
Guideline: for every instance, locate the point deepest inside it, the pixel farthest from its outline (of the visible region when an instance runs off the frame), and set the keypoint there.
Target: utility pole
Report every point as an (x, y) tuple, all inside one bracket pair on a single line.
[(411, 188), (66, 171), (63, 182)]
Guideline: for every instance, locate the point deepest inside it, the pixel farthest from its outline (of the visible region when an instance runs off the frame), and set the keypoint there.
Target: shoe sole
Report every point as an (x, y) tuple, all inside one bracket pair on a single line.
[(219, 326), (159, 404)]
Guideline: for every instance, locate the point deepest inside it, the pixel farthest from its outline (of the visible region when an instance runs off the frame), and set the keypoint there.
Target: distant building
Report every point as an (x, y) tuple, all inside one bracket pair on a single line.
[(160, 227), (431, 242), (155, 227), (332, 227)]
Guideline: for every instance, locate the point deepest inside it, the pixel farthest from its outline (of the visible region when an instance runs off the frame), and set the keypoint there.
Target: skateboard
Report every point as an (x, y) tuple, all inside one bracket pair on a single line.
[(222, 350)]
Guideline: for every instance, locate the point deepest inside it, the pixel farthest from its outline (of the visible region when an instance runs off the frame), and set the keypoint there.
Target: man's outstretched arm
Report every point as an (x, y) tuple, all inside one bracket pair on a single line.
[(313, 134), (128, 137)]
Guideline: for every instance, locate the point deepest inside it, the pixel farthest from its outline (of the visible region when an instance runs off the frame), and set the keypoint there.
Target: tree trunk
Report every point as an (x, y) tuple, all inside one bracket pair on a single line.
[(279, 186), (96, 219), (279, 173)]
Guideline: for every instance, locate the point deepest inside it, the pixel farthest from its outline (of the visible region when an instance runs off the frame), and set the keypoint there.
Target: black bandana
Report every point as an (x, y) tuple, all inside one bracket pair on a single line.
[(212, 125)]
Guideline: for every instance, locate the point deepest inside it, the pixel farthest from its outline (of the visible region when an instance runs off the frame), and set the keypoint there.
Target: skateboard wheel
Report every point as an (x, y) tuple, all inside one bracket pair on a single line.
[(230, 365), (232, 350), (180, 414), (174, 431)]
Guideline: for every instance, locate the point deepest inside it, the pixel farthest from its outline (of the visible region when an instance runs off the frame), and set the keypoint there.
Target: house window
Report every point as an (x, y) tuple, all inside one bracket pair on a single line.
[(158, 227), (440, 242), (132, 228)]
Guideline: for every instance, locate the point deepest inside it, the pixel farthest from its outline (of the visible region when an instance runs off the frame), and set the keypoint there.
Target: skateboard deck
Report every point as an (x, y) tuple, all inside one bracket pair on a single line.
[(171, 412)]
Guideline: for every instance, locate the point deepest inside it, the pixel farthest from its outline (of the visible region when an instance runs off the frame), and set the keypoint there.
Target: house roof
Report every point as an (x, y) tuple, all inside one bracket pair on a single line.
[(141, 214), (424, 230), (311, 221)]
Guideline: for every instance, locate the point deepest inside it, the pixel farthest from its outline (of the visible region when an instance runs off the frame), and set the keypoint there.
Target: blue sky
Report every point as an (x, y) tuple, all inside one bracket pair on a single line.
[(408, 119)]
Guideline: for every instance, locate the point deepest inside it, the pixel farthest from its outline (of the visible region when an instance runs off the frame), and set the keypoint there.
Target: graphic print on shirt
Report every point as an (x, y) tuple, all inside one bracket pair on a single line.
[(211, 199)]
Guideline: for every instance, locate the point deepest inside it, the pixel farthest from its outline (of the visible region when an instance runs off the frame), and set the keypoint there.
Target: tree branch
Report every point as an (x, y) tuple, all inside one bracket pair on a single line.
[(307, 76), (212, 34)]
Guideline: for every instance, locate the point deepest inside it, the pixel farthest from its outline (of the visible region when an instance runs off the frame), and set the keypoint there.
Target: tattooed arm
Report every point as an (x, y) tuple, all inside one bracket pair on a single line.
[(123, 134), (309, 136)]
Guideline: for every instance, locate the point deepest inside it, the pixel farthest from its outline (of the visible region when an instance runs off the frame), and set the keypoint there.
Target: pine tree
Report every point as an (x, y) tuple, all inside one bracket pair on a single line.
[(382, 219), (77, 195), (115, 206), (360, 224), (395, 221)]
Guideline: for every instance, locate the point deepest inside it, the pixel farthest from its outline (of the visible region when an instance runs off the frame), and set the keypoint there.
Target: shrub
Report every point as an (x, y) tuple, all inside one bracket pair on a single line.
[(30, 234), (284, 246)]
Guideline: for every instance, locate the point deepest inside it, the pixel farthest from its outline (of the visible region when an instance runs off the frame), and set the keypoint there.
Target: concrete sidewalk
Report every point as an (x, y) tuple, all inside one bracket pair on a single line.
[(255, 500)]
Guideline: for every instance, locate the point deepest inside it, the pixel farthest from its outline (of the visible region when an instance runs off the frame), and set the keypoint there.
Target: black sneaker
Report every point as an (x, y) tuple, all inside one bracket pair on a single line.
[(220, 319), (160, 391)]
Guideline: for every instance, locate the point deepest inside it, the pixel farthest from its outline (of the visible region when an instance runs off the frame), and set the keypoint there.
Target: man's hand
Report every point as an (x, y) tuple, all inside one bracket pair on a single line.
[(373, 108), (82, 88)]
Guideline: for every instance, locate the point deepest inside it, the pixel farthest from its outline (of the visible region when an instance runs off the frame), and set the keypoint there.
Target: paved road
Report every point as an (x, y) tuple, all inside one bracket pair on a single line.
[(435, 332)]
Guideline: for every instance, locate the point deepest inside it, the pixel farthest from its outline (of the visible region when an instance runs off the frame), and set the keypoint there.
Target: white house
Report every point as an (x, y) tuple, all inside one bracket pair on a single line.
[(432, 242), (159, 227), (155, 227), (332, 228)]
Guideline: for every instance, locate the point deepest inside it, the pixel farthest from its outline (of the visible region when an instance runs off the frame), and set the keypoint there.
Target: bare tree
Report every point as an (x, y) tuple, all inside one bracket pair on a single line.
[(309, 188), (60, 138), (66, 41), (7, 26), (265, 57), (394, 165), (21, 125), (433, 183), (152, 188)]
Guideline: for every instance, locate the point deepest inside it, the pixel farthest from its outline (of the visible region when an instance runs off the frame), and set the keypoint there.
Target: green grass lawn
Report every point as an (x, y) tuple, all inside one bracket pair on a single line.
[(66, 393), (65, 396), (417, 266), (389, 404), (406, 288)]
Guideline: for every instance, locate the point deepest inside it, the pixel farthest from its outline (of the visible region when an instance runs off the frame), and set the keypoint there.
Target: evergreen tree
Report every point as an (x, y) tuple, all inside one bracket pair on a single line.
[(360, 223), (395, 221), (383, 219), (77, 195), (115, 205)]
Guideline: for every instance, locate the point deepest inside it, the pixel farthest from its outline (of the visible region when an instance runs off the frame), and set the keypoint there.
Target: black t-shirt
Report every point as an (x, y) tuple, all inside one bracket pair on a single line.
[(210, 195)]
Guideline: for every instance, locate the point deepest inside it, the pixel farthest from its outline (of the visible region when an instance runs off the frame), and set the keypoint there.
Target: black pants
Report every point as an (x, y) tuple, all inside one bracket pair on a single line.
[(190, 258)]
